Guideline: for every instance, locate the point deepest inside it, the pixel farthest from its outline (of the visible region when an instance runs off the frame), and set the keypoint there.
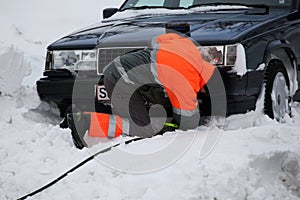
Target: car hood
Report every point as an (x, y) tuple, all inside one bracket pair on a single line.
[(205, 28)]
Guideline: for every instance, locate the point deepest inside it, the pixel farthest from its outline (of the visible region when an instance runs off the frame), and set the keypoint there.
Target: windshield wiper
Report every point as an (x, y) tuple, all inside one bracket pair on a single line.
[(82, 35), (262, 6)]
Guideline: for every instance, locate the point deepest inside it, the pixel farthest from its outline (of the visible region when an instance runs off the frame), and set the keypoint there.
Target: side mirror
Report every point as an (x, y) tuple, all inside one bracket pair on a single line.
[(108, 12)]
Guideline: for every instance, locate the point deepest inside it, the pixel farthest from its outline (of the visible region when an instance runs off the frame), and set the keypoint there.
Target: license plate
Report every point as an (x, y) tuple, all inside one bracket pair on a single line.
[(101, 93)]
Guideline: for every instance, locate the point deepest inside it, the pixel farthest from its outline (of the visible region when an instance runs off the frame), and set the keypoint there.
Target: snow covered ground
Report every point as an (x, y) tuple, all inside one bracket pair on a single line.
[(254, 157)]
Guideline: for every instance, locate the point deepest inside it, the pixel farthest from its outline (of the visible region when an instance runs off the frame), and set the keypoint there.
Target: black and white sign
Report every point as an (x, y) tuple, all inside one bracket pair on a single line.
[(101, 93)]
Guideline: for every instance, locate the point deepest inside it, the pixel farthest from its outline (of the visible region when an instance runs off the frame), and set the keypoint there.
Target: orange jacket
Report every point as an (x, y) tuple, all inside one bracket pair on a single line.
[(179, 67)]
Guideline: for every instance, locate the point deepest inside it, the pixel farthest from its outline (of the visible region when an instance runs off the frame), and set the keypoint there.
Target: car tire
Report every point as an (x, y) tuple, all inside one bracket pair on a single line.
[(277, 102)]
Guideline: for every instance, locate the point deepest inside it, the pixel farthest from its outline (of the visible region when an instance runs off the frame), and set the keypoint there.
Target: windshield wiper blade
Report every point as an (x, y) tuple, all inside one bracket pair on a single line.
[(141, 7), (151, 7), (80, 35)]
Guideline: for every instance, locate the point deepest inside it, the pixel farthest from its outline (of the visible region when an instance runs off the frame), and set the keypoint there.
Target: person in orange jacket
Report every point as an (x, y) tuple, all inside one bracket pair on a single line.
[(169, 73)]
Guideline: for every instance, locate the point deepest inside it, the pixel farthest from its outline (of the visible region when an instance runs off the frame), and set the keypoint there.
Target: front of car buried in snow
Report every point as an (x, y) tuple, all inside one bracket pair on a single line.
[(254, 44)]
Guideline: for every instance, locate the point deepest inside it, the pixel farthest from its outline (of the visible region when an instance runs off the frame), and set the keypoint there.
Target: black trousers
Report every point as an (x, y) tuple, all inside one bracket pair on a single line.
[(131, 99)]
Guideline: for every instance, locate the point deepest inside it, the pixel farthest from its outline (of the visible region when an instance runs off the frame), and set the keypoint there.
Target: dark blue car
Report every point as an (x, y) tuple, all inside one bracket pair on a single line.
[(255, 45)]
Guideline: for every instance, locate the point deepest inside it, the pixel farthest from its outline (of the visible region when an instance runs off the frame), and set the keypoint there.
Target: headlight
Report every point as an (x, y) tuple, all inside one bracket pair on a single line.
[(226, 56), (213, 54), (77, 60)]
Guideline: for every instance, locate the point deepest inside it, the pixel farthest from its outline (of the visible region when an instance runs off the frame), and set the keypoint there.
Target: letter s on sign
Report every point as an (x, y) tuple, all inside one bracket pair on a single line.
[(102, 94)]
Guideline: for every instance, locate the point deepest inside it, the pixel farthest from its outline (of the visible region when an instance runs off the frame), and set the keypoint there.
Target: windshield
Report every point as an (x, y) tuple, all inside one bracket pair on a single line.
[(135, 4)]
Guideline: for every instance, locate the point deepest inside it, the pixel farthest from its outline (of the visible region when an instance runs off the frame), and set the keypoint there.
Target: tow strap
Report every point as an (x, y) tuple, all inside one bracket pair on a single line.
[(41, 189)]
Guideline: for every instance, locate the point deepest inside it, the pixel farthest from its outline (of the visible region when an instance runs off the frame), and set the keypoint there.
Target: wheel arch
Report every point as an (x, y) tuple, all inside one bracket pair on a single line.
[(282, 52)]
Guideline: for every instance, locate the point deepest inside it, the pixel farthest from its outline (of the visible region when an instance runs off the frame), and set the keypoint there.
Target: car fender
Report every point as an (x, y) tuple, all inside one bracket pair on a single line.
[(282, 51)]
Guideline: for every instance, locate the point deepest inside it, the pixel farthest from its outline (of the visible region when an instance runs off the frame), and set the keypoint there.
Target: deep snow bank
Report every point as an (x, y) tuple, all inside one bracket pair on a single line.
[(260, 160)]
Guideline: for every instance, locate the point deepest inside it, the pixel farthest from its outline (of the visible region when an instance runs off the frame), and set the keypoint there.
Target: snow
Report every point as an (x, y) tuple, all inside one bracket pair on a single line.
[(246, 161), (32, 25), (261, 67), (162, 11), (247, 156), (240, 66), (21, 68)]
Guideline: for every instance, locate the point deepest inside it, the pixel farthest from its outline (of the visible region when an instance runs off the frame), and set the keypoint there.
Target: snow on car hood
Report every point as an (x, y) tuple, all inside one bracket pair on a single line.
[(164, 11)]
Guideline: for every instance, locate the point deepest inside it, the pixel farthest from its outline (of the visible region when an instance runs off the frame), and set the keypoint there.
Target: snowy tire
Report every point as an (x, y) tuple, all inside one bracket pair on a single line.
[(277, 103)]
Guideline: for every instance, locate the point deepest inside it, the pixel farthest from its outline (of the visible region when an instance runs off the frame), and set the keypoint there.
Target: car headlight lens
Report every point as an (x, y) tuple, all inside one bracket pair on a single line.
[(213, 54), (77, 60), (220, 55)]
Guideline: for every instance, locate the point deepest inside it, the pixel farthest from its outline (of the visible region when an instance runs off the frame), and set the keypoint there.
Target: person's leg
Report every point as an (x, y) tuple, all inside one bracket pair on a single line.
[(130, 96), (140, 123), (187, 122), (135, 111)]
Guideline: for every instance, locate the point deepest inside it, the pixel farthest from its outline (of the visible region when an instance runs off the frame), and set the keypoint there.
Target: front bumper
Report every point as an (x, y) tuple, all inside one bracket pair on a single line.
[(66, 91)]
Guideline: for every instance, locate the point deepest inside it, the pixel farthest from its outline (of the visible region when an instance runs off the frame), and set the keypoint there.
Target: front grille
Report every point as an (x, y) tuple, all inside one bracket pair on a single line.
[(107, 55)]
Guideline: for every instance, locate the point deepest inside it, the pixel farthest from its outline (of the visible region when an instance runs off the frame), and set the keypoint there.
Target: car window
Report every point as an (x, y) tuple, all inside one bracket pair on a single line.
[(149, 3), (186, 3)]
